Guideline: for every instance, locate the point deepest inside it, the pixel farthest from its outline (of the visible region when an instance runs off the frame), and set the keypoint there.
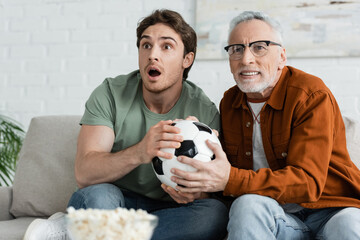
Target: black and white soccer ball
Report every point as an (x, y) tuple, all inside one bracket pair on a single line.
[(194, 134)]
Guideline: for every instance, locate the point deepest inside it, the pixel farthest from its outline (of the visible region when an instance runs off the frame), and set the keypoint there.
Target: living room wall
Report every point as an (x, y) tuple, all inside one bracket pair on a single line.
[(53, 53)]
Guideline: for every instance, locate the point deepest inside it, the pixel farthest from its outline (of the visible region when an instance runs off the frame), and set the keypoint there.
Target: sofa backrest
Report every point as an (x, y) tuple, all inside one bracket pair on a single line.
[(44, 179), (353, 139)]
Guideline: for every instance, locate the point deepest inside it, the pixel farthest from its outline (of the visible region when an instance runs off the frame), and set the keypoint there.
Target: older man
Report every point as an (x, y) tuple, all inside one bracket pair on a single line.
[(290, 176)]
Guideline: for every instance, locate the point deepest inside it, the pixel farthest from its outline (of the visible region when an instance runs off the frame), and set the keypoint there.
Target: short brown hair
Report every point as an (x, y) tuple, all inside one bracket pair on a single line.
[(176, 22)]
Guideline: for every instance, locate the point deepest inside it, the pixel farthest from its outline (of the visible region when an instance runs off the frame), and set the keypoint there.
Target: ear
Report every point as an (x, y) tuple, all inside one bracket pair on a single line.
[(188, 60), (283, 59)]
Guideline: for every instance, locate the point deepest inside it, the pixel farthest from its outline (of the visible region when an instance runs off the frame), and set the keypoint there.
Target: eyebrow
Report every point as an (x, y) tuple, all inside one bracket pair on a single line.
[(162, 38)]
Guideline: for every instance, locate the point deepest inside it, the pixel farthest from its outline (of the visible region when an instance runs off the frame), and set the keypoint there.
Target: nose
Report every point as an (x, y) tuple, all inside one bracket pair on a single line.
[(248, 57), (154, 54)]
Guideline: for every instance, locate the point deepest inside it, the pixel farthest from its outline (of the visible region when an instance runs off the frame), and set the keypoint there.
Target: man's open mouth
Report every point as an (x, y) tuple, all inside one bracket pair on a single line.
[(249, 73), (154, 73)]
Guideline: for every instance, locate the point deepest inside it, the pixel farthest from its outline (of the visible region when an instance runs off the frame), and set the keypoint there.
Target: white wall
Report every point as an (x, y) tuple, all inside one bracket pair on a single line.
[(53, 53)]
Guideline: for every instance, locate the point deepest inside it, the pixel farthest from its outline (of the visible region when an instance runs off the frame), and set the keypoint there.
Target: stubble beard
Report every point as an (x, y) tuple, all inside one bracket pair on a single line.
[(253, 87)]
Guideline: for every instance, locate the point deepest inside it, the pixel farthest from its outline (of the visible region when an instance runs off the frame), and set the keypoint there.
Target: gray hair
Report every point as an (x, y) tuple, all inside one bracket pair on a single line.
[(250, 15)]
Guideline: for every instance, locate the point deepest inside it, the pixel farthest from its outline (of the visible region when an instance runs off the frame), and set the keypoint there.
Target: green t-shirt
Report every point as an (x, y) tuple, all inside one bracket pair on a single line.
[(118, 103)]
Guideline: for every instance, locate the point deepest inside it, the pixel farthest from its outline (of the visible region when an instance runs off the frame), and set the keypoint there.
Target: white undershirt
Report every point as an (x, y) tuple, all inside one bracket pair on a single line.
[(259, 157)]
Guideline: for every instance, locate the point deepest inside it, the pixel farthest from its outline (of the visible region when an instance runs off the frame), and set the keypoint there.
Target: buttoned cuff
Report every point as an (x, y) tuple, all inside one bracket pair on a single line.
[(236, 180)]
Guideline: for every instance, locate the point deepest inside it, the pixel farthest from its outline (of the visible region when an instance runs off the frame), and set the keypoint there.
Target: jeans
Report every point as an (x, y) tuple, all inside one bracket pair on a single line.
[(202, 219), (258, 217)]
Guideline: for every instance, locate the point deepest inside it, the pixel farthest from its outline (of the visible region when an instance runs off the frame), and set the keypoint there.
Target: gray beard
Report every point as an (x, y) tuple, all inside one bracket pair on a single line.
[(254, 89)]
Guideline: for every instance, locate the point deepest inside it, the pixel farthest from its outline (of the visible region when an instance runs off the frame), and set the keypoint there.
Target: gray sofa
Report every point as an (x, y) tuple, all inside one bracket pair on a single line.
[(44, 179)]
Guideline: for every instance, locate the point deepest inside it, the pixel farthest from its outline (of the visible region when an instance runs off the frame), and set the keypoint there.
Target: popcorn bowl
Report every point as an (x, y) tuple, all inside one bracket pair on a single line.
[(119, 224)]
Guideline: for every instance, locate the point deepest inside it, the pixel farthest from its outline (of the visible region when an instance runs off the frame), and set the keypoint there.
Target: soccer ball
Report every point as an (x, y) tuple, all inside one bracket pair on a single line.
[(194, 134)]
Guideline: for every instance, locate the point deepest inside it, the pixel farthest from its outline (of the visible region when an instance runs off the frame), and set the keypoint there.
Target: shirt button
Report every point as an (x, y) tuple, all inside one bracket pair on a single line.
[(248, 124), (248, 153), (284, 154)]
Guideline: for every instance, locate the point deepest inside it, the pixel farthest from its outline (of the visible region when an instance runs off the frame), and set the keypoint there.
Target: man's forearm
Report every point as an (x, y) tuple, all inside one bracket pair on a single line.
[(100, 167)]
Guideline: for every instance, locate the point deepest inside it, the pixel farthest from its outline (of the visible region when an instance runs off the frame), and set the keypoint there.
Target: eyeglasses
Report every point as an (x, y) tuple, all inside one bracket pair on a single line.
[(257, 48)]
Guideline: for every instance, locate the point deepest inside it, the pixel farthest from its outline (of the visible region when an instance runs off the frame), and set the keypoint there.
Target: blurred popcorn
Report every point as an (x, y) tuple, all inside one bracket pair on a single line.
[(119, 224)]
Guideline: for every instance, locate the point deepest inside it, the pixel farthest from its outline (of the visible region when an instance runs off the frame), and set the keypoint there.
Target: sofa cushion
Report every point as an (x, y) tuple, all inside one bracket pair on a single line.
[(44, 178), (5, 203), (353, 139), (14, 229)]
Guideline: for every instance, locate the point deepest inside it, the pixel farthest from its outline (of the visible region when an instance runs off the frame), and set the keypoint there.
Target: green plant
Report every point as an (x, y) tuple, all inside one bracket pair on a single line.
[(11, 138)]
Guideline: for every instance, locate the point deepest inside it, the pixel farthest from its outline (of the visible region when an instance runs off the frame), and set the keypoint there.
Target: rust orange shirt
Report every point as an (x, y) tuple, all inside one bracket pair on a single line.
[(304, 142)]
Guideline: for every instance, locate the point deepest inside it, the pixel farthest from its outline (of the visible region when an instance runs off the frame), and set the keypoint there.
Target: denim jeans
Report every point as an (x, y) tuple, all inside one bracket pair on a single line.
[(202, 219), (258, 217)]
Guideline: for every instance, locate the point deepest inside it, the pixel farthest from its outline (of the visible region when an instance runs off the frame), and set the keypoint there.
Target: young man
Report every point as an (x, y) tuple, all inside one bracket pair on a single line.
[(127, 121), (290, 176)]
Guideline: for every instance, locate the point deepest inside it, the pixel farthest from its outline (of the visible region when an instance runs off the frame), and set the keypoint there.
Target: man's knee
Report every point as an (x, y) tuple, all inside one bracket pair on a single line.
[(250, 204), (100, 196), (346, 222)]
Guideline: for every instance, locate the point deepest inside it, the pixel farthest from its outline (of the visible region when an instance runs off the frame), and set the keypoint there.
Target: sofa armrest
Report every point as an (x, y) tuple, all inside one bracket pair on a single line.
[(5, 203)]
